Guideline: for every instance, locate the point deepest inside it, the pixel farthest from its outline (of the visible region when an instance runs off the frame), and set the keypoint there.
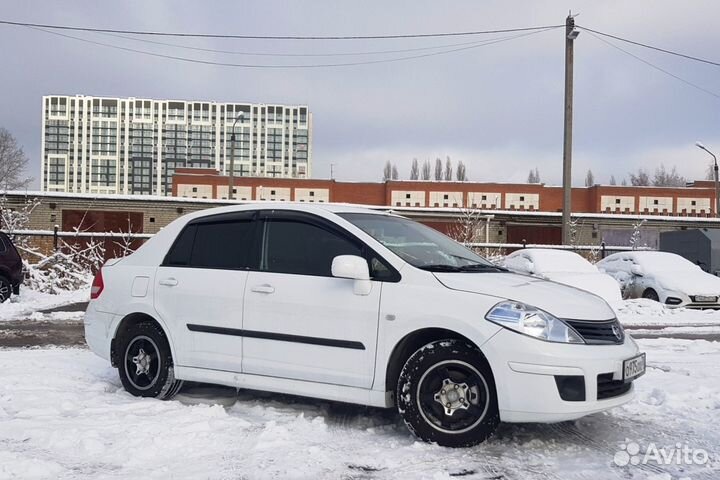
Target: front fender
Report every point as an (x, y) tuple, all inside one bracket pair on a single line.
[(431, 307)]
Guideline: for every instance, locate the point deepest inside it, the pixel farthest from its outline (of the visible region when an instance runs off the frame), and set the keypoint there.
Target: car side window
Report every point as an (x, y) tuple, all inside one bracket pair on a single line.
[(3, 248), (224, 244), (301, 248)]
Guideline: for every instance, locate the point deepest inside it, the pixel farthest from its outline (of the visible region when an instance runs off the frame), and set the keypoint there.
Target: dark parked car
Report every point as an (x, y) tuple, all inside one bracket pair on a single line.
[(10, 268)]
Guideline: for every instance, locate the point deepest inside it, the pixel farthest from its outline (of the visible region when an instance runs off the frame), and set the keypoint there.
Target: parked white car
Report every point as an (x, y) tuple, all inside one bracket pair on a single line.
[(564, 267), (664, 277), (357, 306)]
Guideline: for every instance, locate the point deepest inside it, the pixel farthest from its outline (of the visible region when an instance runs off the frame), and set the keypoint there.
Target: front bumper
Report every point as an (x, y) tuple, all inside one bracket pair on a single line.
[(526, 369)]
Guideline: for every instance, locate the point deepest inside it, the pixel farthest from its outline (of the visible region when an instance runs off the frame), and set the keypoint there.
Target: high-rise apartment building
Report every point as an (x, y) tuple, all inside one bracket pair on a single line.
[(133, 145)]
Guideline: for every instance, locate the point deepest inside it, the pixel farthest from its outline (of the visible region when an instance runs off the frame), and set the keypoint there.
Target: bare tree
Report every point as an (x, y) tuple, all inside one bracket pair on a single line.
[(469, 227), (394, 174), (448, 169), (665, 178), (641, 178), (414, 170), (589, 179), (624, 182), (13, 163), (710, 172), (534, 176), (387, 171), (438, 169), (426, 173), (461, 173), (612, 180)]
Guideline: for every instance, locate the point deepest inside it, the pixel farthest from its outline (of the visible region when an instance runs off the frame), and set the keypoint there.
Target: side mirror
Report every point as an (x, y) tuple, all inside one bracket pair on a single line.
[(531, 268), (636, 270), (354, 268)]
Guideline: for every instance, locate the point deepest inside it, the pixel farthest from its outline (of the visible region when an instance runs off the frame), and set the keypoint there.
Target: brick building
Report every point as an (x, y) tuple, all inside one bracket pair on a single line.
[(695, 200)]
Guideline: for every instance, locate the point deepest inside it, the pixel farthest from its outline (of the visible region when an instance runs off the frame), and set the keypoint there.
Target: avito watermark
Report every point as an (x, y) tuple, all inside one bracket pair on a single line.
[(681, 454)]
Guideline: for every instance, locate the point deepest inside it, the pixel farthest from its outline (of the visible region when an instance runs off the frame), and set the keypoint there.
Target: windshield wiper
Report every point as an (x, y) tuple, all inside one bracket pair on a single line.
[(482, 267), (476, 267), (439, 267)]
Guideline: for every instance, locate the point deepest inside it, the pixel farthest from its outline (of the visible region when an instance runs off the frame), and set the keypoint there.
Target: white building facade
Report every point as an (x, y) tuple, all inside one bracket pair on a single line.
[(133, 145)]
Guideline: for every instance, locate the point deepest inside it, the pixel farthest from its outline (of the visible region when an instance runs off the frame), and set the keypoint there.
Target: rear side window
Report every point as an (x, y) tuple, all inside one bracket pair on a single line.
[(303, 248)]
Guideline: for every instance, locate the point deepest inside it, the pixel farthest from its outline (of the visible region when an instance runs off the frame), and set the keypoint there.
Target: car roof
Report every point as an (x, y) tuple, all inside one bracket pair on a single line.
[(294, 206)]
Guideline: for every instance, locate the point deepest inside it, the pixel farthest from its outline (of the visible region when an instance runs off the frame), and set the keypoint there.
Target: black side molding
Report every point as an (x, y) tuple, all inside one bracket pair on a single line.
[(281, 337)]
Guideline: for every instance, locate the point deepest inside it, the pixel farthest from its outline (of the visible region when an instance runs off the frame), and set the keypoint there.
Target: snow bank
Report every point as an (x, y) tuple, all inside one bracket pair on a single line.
[(641, 311), (29, 302)]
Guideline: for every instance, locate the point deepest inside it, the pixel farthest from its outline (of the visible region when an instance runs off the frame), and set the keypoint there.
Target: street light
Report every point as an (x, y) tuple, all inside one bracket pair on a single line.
[(232, 157), (715, 168)]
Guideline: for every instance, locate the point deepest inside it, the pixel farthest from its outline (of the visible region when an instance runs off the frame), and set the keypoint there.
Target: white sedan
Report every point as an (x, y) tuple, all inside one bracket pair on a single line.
[(664, 277), (564, 267)]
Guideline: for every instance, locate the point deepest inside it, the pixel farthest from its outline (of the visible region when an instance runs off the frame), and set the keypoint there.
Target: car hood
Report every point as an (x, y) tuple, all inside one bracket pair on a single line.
[(560, 300), (601, 284), (689, 283)]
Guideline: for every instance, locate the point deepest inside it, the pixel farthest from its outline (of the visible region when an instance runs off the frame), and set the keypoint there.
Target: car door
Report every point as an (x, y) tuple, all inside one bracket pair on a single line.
[(300, 322), (200, 286)]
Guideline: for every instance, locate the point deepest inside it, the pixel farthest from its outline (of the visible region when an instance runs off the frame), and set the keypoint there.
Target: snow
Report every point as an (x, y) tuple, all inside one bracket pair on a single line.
[(27, 304), (641, 311), (64, 414)]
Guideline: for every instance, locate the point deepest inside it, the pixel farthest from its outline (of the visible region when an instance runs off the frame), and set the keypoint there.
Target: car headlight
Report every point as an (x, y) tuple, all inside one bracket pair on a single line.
[(533, 322)]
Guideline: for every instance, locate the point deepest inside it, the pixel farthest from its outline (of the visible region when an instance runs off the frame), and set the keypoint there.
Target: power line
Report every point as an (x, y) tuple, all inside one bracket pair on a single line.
[(687, 82), (277, 37), (280, 66), (651, 47), (278, 54)]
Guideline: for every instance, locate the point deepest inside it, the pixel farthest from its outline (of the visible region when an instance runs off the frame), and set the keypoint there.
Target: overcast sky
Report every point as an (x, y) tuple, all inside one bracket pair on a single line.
[(498, 108)]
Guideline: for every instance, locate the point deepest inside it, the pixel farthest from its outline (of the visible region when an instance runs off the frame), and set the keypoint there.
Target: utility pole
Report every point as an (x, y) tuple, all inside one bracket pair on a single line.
[(570, 35), (717, 180), (231, 171), (332, 167)]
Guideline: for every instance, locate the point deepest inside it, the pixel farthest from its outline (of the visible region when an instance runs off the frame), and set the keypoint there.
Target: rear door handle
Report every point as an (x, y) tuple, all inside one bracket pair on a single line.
[(263, 288), (168, 282)]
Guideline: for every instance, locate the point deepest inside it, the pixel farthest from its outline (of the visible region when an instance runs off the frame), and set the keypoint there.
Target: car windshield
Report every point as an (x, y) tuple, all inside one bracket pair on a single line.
[(419, 245)]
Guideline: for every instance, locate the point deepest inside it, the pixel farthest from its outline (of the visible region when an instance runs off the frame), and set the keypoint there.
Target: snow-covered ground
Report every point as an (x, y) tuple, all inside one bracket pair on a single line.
[(27, 304), (64, 414)]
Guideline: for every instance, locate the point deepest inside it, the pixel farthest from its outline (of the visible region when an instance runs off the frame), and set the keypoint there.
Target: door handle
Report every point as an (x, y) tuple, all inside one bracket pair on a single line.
[(168, 282), (263, 288)]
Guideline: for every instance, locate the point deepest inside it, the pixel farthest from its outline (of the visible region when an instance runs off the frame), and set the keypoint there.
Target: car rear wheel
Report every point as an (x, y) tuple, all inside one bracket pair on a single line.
[(446, 394), (146, 364), (651, 294), (5, 289)]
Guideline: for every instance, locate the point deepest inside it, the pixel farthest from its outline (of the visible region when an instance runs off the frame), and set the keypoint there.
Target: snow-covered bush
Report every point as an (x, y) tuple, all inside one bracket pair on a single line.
[(70, 267)]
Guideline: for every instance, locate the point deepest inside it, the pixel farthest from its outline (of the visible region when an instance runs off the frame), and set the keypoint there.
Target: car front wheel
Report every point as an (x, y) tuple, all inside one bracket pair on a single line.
[(146, 364), (651, 294), (446, 394)]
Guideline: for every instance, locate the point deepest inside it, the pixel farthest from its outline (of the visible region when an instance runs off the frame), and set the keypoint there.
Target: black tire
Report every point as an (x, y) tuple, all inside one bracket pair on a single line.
[(423, 386), (6, 289), (145, 362), (651, 294)]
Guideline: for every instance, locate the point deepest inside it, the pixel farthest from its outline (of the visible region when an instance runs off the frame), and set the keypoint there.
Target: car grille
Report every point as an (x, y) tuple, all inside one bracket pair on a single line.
[(703, 298), (599, 333), (609, 388)]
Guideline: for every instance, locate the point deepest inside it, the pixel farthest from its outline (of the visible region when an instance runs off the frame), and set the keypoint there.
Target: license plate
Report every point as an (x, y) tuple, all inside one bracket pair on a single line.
[(705, 298), (633, 367)]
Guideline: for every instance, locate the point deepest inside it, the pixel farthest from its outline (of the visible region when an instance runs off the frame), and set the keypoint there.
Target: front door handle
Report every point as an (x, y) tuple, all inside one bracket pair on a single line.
[(168, 282), (263, 288)]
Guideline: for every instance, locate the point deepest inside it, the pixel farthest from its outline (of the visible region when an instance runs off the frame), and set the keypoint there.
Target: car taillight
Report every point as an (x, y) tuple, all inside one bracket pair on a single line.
[(97, 285)]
